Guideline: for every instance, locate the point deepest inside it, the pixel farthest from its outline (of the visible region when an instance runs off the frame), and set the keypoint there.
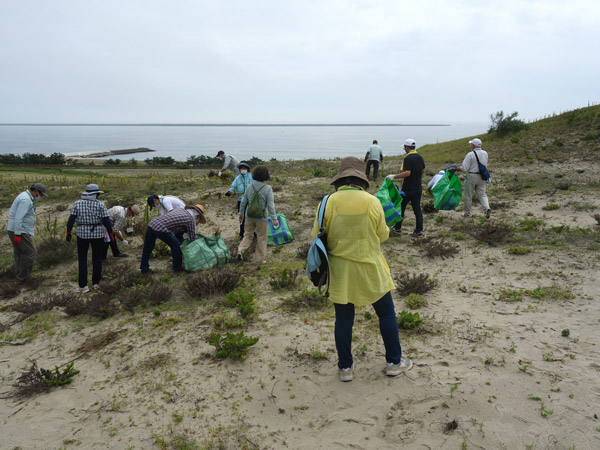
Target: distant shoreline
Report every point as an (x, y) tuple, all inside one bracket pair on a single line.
[(226, 124), (104, 153)]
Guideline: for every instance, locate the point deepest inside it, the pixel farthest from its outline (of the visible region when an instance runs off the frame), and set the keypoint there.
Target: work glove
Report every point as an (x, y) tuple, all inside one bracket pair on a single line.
[(112, 236), (275, 222), (125, 242), (17, 240), (220, 173), (391, 177), (68, 236), (227, 194)]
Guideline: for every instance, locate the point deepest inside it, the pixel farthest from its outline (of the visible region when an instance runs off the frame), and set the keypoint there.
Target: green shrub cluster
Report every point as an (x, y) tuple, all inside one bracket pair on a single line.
[(503, 125), (408, 320), (234, 346)]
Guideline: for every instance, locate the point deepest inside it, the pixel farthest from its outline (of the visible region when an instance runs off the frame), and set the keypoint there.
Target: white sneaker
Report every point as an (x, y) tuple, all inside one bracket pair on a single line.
[(346, 374), (404, 365), (82, 290), (95, 287), (488, 212), (466, 214)]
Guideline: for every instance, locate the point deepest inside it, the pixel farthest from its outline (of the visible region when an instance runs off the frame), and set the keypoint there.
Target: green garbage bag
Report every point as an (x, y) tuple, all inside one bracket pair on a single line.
[(447, 192), (391, 201), (204, 252), (281, 234)]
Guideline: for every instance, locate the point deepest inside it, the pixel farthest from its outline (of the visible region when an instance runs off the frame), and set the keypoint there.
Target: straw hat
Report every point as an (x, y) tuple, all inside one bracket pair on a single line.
[(135, 209), (199, 209), (351, 167)]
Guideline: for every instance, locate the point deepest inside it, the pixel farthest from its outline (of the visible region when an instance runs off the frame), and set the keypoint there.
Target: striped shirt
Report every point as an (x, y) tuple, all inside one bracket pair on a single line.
[(89, 215), (118, 216), (177, 221)]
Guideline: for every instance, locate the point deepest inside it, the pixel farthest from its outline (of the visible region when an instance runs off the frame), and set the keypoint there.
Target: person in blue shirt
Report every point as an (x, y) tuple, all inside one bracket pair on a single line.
[(21, 220), (239, 186)]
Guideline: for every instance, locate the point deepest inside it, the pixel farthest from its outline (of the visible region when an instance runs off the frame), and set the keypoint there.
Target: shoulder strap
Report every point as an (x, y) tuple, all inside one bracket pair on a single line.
[(476, 157), (322, 211)]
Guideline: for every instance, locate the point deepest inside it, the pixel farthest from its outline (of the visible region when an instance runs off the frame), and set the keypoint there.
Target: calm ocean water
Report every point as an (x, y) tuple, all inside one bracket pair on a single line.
[(266, 142)]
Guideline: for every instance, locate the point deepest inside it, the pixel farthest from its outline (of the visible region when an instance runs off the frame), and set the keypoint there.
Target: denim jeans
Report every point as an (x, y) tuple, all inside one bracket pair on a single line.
[(167, 238), (388, 327), (83, 245), (414, 198)]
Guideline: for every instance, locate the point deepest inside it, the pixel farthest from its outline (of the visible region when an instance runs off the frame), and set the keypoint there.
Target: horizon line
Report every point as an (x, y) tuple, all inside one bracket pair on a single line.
[(228, 124)]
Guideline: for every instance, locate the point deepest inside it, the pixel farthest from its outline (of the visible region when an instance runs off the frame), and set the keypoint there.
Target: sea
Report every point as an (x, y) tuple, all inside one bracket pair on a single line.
[(180, 141)]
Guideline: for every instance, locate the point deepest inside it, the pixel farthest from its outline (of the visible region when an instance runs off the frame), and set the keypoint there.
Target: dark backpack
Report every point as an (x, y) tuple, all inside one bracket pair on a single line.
[(255, 209), (485, 175), (317, 261)]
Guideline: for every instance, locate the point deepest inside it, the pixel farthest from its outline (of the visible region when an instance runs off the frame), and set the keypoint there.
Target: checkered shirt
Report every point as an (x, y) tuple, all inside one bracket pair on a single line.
[(88, 215), (177, 221), (118, 216)]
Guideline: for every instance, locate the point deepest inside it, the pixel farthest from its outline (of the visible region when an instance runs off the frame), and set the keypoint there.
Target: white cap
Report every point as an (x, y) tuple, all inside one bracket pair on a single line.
[(476, 142), (410, 143)]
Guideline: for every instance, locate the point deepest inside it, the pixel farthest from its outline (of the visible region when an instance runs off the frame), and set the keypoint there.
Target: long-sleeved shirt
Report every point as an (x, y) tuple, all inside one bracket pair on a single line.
[(168, 203), (90, 215), (469, 164), (266, 200), (118, 216), (177, 221), (21, 218), (355, 224), (240, 184), (231, 163)]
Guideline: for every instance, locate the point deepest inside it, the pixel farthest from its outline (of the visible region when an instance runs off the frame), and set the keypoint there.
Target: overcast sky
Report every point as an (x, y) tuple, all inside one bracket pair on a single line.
[(324, 61)]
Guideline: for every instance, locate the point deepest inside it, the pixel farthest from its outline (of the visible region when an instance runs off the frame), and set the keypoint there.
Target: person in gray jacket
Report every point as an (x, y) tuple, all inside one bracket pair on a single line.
[(229, 163), (265, 195), (21, 221)]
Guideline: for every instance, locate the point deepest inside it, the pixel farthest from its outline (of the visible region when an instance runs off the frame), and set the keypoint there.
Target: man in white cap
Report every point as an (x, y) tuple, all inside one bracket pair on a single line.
[(473, 181), (413, 168), (21, 220)]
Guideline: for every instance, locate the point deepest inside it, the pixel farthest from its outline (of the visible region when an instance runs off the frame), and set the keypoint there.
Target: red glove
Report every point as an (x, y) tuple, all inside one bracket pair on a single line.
[(112, 236), (68, 236), (17, 240)]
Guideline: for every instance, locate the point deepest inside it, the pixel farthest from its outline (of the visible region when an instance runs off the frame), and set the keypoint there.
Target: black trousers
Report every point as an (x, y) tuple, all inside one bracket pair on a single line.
[(414, 198), (83, 246), (375, 164), (113, 246)]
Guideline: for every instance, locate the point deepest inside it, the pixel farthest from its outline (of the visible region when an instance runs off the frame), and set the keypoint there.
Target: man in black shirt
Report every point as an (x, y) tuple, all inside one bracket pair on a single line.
[(413, 168)]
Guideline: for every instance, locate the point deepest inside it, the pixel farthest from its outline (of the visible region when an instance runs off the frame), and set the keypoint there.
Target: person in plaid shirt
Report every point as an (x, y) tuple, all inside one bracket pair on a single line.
[(90, 214), (118, 215), (166, 228)]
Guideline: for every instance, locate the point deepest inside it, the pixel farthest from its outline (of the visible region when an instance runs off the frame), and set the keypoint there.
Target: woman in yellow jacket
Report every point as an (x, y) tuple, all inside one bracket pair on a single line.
[(359, 275)]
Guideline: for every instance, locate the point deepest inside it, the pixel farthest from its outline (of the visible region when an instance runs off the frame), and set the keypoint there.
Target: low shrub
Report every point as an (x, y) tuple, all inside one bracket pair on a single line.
[(209, 282), (408, 320), (243, 301), (413, 283), (415, 301), (53, 250), (438, 247), (285, 279), (307, 299), (492, 233), (302, 251), (518, 250), (550, 206), (531, 223), (234, 346), (98, 305), (34, 380)]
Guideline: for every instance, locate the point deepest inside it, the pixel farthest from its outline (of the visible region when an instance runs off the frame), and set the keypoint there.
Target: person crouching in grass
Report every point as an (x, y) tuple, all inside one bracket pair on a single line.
[(166, 228)]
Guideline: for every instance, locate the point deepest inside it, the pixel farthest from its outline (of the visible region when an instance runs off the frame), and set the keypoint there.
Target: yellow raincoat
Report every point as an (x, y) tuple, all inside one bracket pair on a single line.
[(355, 225)]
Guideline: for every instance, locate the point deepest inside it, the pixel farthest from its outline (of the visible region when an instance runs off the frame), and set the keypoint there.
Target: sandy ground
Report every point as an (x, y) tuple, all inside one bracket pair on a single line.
[(478, 361)]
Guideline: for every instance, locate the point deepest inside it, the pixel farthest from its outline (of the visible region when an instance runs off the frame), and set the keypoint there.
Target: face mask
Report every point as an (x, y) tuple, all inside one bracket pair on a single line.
[(243, 171), (37, 199)]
